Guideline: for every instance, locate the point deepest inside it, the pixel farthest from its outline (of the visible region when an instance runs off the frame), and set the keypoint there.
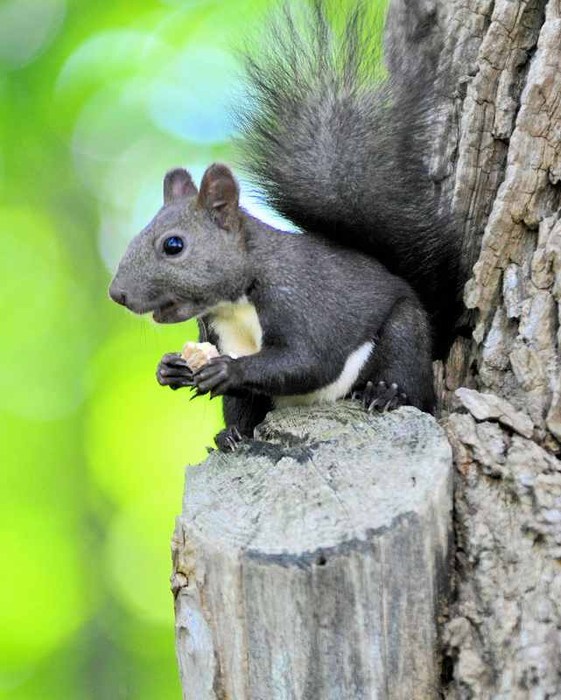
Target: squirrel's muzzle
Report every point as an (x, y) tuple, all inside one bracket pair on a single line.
[(117, 294)]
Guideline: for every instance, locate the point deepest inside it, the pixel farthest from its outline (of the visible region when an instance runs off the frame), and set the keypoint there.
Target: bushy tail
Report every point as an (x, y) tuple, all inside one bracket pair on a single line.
[(340, 149)]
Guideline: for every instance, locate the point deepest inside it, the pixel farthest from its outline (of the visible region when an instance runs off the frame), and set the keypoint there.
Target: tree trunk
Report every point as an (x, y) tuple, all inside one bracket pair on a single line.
[(497, 152)]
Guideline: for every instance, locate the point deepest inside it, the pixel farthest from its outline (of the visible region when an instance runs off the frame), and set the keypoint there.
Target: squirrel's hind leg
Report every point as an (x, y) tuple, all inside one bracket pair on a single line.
[(400, 369)]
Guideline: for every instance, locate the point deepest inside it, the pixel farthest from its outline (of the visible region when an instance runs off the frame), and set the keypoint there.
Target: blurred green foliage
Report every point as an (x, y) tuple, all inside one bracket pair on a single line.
[(97, 101)]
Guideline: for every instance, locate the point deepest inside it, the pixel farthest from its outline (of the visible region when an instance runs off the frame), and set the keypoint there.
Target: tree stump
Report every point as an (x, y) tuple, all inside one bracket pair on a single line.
[(313, 563)]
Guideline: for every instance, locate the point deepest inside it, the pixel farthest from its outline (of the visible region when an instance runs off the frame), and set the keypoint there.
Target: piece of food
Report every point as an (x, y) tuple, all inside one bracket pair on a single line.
[(196, 355)]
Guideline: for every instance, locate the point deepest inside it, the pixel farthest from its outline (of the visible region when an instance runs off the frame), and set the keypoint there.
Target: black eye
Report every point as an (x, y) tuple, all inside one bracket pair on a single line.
[(173, 245)]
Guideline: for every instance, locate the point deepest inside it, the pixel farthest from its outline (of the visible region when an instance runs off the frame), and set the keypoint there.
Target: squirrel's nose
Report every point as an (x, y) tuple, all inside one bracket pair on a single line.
[(118, 295)]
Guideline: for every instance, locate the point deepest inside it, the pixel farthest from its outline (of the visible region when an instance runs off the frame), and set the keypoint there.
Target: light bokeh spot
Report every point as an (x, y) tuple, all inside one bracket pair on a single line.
[(139, 567), (182, 101), (45, 307), (27, 27)]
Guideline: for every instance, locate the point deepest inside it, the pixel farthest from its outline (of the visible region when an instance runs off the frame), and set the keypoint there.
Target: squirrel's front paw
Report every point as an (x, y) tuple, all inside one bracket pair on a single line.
[(218, 376), (229, 439), (382, 397), (174, 372)]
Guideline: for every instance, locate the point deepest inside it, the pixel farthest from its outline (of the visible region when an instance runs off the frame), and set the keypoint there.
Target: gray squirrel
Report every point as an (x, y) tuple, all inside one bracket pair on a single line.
[(366, 296)]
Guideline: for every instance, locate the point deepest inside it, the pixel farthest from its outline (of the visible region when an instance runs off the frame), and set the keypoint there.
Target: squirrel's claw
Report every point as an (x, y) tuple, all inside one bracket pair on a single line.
[(195, 394), (382, 397), (229, 439)]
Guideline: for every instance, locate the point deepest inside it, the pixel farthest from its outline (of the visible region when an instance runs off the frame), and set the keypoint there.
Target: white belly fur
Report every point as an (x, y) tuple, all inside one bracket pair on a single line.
[(337, 389), (239, 333), (237, 327)]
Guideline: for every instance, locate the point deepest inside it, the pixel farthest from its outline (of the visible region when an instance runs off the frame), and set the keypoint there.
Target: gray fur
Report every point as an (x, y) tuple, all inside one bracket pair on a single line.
[(340, 150), (212, 268), (316, 302)]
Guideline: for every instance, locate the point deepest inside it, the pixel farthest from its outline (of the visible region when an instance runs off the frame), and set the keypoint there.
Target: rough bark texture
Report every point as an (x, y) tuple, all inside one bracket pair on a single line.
[(498, 154), (314, 563)]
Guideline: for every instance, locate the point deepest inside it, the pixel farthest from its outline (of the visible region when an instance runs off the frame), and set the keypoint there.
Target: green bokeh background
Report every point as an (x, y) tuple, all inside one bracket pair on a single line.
[(97, 101)]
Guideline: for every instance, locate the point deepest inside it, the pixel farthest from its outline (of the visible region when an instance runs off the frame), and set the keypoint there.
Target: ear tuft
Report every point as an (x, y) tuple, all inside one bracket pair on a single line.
[(178, 184), (219, 195)]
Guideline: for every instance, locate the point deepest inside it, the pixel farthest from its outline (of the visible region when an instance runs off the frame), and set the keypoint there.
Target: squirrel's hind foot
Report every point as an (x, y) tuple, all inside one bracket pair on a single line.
[(381, 397), (229, 439)]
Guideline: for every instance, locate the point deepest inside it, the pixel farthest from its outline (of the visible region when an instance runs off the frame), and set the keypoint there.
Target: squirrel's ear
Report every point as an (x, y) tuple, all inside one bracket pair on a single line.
[(177, 184), (219, 195)]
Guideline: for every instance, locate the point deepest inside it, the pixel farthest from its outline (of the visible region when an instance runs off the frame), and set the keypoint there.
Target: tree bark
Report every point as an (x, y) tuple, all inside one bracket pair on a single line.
[(497, 153), (314, 562)]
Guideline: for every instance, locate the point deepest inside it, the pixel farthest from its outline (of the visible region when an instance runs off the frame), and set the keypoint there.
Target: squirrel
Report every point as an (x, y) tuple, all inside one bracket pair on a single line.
[(359, 302)]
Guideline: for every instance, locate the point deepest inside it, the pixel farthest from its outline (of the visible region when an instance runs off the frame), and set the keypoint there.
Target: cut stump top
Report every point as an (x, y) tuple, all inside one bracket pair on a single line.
[(317, 477)]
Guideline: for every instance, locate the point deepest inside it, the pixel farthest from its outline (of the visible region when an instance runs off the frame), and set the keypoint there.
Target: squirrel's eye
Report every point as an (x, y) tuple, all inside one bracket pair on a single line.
[(173, 245)]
